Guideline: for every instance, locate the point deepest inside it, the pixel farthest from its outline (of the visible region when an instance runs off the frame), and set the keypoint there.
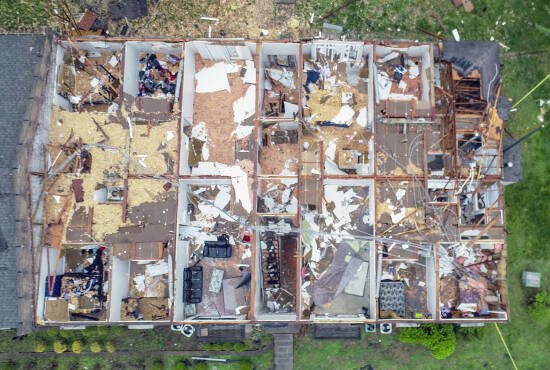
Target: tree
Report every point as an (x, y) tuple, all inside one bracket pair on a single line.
[(239, 347), (59, 346), (77, 346), (95, 347), (39, 346), (67, 334), (539, 307), (110, 347), (440, 339)]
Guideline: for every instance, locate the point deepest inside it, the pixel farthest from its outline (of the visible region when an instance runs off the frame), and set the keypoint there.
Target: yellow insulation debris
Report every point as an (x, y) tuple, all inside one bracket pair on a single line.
[(107, 220), (150, 151), (144, 190)]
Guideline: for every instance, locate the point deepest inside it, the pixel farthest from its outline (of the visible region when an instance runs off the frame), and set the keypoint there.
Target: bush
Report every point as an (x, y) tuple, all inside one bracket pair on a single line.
[(200, 366), (52, 333), (539, 307), (216, 347), (158, 365), (440, 339), (180, 366), (102, 330), (228, 346), (39, 346), (95, 347), (67, 334), (59, 346), (209, 347), (110, 347), (245, 365), (77, 346), (239, 347), (90, 332), (471, 333)]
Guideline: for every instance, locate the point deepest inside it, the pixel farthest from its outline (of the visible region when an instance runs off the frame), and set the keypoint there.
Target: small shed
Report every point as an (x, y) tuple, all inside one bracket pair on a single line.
[(530, 279)]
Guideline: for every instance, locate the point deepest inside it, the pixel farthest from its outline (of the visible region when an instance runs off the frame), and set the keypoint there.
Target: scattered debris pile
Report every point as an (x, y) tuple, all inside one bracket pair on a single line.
[(158, 75), (281, 80)]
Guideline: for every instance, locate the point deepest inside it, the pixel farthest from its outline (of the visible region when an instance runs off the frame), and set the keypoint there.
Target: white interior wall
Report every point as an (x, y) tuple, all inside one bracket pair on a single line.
[(372, 279), (44, 263), (431, 287), (90, 46), (120, 278), (132, 53), (274, 48), (413, 51), (182, 253)]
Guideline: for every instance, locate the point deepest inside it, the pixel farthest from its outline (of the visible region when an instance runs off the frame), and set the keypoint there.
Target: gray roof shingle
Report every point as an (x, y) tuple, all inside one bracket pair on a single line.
[(19, 55)]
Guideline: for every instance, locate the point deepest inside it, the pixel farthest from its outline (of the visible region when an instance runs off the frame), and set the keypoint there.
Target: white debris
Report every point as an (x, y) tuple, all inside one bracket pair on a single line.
[(244, 107), (113, 61), (222, 198), (239, 180), (362, 117), (456, 35), (331, 168), (139, 282), (94, 82), (291, 110), (199, 131), (243, 131), (400, 193), (390, 56), (214, 78), (330, 151), (285, 77), (344, 116), (384, 85), (413, 69), (156, 269), (208, 168), (402, 85), (250, 74), (75, 99)]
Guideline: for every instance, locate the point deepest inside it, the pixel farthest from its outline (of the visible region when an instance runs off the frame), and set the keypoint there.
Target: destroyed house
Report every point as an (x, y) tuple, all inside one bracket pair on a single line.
[(234, 181)]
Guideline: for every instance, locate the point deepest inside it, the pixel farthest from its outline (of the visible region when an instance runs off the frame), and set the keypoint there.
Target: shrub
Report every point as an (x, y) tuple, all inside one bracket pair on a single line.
[(90, 332), (95, 347), (239, 347), (59, 346), (245, 365), (472, 332), (228, 346), (67, 334), (102, 330), (77, 346), (440, 339), (180, 366), (216, 347), (209, 347), (110, 347), (200, 366), (52, 333), (158, 365), (39, 346), (539, 307)]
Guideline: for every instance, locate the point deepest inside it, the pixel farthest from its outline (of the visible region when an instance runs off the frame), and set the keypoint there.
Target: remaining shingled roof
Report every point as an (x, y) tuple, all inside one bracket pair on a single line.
[(467, 56), (19, 55)]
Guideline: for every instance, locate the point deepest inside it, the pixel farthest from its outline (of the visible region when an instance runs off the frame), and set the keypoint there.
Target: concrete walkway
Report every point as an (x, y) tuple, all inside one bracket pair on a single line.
[(283, 353)]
